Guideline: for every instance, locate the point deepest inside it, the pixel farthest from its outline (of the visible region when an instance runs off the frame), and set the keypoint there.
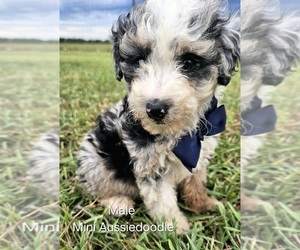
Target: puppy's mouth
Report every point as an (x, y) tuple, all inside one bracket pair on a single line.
[(162, 126), (158, 121)]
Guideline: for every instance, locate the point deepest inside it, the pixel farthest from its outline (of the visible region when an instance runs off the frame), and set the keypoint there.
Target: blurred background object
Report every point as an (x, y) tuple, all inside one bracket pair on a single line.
[(270, 145), (29, 104)]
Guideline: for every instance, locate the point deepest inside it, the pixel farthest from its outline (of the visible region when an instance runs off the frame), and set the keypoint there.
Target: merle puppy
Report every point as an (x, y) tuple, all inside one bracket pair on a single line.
[(173, 55)]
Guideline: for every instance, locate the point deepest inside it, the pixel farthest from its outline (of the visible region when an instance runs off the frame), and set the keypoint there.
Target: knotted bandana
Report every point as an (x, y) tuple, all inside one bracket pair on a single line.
[(189, 146)]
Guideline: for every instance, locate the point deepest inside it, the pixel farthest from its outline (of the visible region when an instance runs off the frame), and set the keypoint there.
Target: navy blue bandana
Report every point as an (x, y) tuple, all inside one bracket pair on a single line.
[(189, 146), (257, 120)]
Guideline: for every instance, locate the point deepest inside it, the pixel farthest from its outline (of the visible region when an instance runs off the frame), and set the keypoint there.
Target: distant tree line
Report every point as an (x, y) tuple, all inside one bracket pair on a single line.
[(71, 40)]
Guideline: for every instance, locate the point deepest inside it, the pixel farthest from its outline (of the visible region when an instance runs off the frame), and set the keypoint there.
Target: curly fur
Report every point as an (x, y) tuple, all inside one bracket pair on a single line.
[(44, 164), (171, 52)]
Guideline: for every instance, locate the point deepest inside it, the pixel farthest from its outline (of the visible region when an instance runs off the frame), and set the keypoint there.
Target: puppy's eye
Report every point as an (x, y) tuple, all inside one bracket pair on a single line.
[(189, 61), (136, 60), (189, 64), (134, 55), (133, 60)]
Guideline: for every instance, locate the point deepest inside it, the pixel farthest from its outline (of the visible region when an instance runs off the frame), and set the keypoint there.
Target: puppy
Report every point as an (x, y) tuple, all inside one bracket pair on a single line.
[(43, 164), (173, 55)]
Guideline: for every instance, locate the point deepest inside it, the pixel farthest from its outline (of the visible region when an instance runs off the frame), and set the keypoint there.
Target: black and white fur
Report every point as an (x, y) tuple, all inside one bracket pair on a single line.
[(173, 55), (43, 164)]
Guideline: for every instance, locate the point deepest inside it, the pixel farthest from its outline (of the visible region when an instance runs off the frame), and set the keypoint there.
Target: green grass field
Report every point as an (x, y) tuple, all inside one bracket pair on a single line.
[(29, 104), (29, 107), (88, 87)]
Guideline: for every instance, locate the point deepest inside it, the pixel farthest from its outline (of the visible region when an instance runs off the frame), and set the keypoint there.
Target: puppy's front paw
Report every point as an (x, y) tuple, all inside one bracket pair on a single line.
[(180, 224), (119, 205)]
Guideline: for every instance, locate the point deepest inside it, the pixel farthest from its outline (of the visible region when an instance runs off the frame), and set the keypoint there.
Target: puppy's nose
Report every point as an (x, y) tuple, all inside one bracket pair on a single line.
[(157, 110)]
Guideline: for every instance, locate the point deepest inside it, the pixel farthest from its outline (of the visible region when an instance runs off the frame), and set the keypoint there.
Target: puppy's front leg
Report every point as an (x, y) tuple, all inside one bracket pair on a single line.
[(160, 198), (192, 189)]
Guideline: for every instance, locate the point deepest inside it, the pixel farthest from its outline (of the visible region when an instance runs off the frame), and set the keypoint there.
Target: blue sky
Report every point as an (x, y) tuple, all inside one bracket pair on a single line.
[(85, 19)]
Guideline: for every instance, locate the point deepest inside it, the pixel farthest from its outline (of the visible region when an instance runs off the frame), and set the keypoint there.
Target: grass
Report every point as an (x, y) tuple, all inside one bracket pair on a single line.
[(29, 107), (29, 104), (273, 176), (87, 88)]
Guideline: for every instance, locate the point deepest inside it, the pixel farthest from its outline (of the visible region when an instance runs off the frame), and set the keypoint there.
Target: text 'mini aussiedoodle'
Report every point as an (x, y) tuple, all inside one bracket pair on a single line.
[(172, 55)]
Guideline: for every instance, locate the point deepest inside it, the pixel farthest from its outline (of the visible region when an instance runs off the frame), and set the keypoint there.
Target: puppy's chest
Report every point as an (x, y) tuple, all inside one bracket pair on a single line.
[(149, 153)]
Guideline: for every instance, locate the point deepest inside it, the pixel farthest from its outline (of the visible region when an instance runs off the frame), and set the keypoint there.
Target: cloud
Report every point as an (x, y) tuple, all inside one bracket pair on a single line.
[(29, 19), (75, 6), (49, 19), (90, 20), (88, 25)]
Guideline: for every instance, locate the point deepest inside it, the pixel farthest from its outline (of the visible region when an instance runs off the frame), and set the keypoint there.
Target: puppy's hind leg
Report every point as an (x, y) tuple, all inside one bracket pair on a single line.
[(89, 166), (119, 205), (99, 180)]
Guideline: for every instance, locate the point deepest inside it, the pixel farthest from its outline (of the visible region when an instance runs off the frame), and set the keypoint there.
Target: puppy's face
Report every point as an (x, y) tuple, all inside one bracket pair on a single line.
[(172, 55)]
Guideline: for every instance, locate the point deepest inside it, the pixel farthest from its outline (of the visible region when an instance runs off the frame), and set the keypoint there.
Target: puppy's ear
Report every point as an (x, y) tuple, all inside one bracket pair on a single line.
[(229, 50), (118, 31)]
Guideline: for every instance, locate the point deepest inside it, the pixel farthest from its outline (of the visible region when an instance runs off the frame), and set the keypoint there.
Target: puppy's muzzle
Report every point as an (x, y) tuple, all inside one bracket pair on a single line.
[(157, 110)]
